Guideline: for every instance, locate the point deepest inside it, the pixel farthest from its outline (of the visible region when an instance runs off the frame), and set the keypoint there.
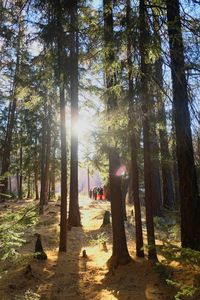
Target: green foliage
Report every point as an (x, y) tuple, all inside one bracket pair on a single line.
[(184, 290), (12, 229), (182, 255), (168, 227)]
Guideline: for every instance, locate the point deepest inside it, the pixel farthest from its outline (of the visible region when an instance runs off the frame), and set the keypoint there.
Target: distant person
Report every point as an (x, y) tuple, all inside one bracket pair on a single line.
[(95, 193), (90, 193), (100, 193)]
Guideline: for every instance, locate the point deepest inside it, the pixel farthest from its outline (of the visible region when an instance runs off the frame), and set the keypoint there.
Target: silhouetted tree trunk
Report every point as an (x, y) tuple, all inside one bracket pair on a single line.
[(63, 209), (48, 152), (177, 198), (7, 145), (53, 170), (155, 172), (74, 213), (29, 185), (36, 170), (146, 104), (190, 202), (133, 144), (43, 169), (166, 166), (20, 191), (167, 181), (120, 253)]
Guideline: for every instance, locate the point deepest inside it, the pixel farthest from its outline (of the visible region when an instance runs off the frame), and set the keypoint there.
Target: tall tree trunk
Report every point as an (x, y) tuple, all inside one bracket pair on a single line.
[(47, 158), (43, 161), (63, 135), (53, 170), (29, 185), (133, 143), (166, 167), (36, 169), (167, 180), (177, 198), (120, 253), (190, 201), (20, 192), (146, 104), (7, 145), (155, 172), (74, 213), (36, 184)]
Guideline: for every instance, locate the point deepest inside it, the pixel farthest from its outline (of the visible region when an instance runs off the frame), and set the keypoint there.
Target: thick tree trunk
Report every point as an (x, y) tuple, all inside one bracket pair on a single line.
[(120, 253), (63, 134), (136, 198), (74, 213), (190, 201), (133, 143), (146, 104)]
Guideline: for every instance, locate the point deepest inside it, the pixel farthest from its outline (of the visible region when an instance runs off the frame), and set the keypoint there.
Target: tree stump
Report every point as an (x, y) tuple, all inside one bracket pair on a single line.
[(84, 254), (104, 247), (39, 252), (106, 218)]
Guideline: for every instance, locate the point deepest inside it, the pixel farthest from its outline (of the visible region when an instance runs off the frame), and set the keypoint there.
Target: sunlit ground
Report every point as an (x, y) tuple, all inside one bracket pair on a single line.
[(70, 276)]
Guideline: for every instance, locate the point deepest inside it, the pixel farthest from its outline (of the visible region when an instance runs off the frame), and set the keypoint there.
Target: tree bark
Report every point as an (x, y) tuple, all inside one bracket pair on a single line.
[(120, 253), (63, 208), (133, 143), (166, 165), (74, 213), (155, 172), (146, 105), (190, 201)]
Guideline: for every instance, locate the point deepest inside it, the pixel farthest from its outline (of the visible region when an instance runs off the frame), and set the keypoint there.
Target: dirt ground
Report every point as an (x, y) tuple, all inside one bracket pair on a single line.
[(70, 276)]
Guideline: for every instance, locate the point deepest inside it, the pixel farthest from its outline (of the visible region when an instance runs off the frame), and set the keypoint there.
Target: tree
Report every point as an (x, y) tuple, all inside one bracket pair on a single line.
[(133, 140), (146, 109), (74, 214), (120, 253), (189, 194), (60, 58), (167, 181)]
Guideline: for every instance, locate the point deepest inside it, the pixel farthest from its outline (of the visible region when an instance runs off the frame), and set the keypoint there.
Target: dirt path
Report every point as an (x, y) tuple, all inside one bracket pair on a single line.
[(70, 276)]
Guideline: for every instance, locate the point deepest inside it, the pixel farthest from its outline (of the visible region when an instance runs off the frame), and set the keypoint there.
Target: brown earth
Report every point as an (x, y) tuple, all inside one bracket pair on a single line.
[(70, 276)]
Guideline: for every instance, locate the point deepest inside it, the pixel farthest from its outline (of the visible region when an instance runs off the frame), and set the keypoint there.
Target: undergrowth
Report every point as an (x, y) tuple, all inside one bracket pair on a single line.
[(13, 225), (168, 231)]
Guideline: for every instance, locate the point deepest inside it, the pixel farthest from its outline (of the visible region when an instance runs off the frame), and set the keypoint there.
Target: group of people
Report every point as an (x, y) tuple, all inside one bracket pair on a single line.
[(97, 193)]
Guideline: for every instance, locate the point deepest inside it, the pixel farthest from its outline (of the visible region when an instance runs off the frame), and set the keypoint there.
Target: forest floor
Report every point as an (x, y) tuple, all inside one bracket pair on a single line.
[(70, 276)]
